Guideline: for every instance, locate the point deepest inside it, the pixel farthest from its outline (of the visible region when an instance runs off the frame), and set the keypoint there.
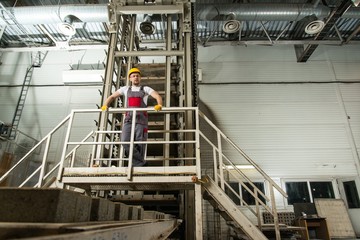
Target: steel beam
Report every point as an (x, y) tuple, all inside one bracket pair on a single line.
[(153, 9), (329, 24)]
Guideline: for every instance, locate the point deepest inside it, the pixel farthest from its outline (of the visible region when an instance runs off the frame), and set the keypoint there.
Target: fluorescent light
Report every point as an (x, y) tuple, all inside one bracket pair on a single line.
[(240, 166)]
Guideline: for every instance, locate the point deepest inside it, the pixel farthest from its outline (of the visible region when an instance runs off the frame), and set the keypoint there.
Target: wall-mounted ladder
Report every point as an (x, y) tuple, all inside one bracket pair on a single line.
[(36, 61)]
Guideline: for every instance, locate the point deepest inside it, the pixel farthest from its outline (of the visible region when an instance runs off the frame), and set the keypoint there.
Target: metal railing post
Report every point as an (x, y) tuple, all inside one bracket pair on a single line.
[(274, 212), (216, 167), (197, 144), (220, 161), (46, 151), (131, 148), (67, 137)]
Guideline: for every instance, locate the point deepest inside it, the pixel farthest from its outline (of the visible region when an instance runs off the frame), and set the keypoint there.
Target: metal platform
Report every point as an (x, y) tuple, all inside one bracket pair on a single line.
[(143, 178)]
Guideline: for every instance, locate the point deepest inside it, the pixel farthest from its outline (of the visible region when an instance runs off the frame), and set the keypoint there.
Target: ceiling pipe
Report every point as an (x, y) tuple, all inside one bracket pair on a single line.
[(266, 12), (56, 14), (242, 12), (260, 12)]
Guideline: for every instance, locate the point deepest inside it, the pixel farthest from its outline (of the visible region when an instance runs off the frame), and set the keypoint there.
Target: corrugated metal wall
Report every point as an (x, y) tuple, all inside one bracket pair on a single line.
[(291, 118)]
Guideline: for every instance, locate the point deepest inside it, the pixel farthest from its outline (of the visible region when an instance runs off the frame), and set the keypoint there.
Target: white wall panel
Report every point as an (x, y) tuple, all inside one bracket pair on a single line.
[(12, 74), (280, 53), (76, 57), (305, 163), (49, 74), (7, 112), (290, 129), (345, 71), (47, 95), (346, 53), (48, 101), (246, 54), (85, 95), (13, 68), (9, 95), (243, 71), (350, 92)]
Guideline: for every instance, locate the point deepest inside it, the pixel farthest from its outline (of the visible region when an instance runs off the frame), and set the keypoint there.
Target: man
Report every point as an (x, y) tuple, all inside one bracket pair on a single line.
[(136, 96)]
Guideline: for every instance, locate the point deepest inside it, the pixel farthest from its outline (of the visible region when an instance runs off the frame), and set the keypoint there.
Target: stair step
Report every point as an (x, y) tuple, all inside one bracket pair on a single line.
[(271, 227), (229, 210)]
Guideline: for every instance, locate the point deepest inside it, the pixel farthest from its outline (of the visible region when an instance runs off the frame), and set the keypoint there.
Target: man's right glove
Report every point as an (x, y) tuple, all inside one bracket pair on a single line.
[(104, 108), (157, 107)]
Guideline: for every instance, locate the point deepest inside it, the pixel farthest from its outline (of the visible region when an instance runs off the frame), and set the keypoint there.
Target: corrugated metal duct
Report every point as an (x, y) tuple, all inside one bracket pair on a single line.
[(56, 14), (242, 12), (260, 12)]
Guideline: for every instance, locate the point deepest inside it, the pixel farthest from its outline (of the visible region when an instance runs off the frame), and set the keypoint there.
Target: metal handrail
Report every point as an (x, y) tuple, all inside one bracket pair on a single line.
[(219, 175), (243, 154), (165, 110), (68, 120), (3, 177)]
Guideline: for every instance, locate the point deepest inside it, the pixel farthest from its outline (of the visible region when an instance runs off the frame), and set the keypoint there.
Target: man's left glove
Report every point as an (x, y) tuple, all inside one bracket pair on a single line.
[(157, 107)]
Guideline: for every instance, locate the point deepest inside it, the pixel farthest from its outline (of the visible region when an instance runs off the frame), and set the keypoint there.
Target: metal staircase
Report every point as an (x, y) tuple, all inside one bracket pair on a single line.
[(229, 210)]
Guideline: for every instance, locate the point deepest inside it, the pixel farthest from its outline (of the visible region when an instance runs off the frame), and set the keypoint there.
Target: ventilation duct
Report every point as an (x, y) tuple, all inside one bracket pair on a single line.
[(260, 12), (314, 27), (231, 26), (146, 27), (66, 27), (241, 12), (56, 14)]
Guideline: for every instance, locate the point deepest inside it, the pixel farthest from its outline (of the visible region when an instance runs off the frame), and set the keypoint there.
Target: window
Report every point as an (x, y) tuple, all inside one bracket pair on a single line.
[(352, 196), (248, 198), (322, 190), (230, 193), (307, 191), (245, 194), (297, 192)]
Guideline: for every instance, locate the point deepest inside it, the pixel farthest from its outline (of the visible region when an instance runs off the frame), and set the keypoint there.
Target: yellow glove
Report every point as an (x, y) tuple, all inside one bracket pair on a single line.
[(157, 107), (104, 108)]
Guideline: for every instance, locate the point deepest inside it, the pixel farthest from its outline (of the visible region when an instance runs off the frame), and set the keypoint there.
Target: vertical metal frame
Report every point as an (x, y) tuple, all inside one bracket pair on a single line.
[(168, 87), (46, 152), (109, 74), (67, 137)]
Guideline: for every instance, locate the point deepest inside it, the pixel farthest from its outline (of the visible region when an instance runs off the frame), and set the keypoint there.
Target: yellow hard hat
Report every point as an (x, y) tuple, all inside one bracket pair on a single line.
[(134, 70)]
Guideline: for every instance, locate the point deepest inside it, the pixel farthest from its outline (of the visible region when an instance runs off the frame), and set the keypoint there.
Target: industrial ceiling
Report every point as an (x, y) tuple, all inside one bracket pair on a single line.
[(66, 24)]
